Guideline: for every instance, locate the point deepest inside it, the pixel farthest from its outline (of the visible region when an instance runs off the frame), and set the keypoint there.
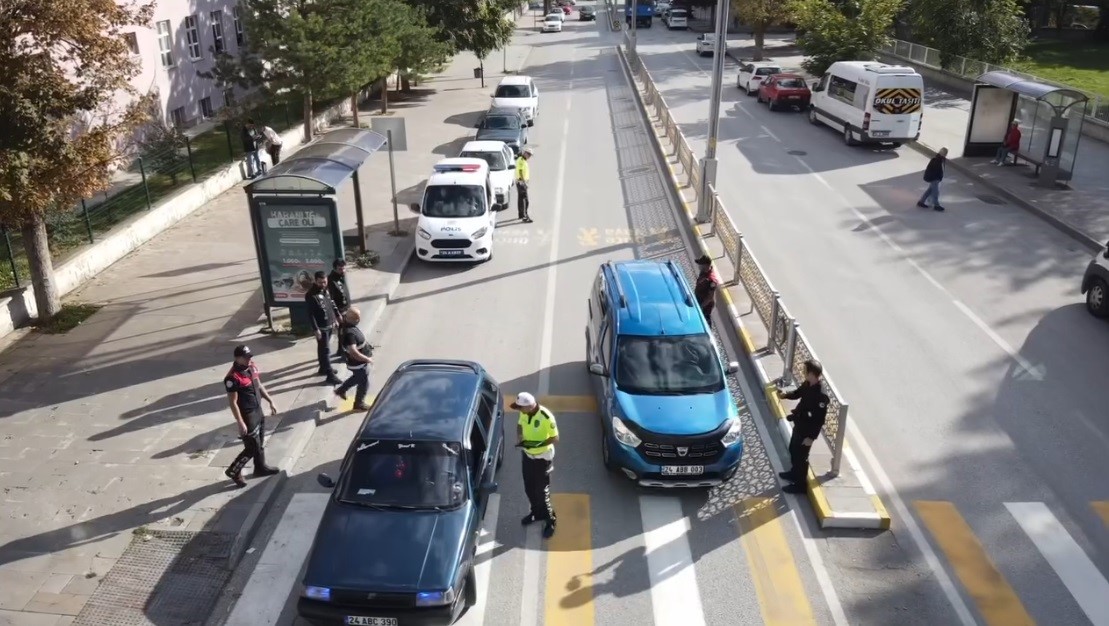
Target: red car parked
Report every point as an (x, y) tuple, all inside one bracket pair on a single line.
[(785, 90)]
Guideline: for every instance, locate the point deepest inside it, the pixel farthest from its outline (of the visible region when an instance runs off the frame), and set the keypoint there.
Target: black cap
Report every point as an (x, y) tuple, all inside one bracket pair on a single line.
[(339, 263), (703, 260), (321, 274), (242, 350)]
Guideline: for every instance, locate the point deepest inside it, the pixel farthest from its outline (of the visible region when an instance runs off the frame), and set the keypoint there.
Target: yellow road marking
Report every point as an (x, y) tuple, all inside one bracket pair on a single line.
[(347, 406), (1101, 507), (996, 600), (570, 564), (777, 582), (560, 404)]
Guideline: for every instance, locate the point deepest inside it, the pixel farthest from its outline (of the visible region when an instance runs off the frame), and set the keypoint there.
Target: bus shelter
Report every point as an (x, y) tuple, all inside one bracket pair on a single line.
[(1050, 119), (295, 217)]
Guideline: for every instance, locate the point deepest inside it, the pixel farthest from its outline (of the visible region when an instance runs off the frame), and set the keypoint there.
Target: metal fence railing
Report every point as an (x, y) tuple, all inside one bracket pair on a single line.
[(1096, 108), (786, 338)]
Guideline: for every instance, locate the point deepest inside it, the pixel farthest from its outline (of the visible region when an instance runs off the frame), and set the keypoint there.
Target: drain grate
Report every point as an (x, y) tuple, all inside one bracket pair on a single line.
[(164, 577), (798, 153), (988, 199)]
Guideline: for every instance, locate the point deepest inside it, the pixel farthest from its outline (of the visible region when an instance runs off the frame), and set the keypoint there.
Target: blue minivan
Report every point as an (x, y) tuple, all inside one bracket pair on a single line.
[(667, 416)]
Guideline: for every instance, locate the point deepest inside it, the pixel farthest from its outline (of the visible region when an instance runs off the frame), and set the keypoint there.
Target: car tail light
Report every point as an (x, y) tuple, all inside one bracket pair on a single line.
[(866, 122)]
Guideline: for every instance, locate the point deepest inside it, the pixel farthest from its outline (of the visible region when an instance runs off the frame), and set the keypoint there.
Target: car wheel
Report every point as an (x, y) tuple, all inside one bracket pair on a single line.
[(1097, 298), (772, 104), (812, 116), (848, 138), (469, 588), (606, 454)]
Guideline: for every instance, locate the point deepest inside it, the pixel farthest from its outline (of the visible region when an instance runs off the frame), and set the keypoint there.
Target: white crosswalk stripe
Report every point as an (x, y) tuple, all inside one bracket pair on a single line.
[(674, 595)]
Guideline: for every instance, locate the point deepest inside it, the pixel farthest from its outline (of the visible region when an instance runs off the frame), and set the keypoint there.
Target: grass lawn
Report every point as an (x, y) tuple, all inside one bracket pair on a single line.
[(1084, 65)]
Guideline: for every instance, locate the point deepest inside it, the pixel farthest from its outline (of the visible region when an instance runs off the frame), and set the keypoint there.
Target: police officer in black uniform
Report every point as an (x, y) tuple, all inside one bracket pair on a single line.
[(357, 350), (245, 393), (337, 286), (808, 420), (325, 319)]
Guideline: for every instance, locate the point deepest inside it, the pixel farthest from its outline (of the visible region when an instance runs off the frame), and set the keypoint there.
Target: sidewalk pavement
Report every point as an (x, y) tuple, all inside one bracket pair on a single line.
[(1081, 210), (114, 436)]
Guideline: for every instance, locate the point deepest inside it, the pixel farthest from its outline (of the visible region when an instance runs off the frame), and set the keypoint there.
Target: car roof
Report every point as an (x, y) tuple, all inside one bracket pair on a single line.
[(425, 400), (652, 298), (785, 75), (483, 146), (518, 79), (458, 178)]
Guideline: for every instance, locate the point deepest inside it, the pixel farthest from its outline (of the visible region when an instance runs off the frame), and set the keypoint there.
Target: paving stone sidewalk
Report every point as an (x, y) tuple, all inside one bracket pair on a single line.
[(114, 436)]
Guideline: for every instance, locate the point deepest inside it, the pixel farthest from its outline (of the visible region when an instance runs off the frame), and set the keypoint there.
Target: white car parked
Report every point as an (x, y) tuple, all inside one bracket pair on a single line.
[(706, 44), (556, 15), (751, 75), (502, 168), (519, 92), (552, 24)]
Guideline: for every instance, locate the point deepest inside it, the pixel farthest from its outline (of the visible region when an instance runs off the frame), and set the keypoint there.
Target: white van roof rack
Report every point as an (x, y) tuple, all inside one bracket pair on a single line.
[(884, 68)]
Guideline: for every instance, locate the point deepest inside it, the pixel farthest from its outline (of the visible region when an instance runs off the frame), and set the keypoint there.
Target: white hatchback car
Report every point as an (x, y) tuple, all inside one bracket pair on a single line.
[(706, 44), (552, 24), (751, 75), (502, 168)]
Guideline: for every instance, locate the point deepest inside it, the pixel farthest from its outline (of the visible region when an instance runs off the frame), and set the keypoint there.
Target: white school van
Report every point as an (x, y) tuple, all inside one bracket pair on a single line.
[(869, 102), (456, 217)]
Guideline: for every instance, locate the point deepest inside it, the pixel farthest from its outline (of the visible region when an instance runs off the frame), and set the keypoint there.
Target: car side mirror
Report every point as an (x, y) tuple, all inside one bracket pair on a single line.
[(325, 481), (596, 369), (489, 487), (816, 86), (415, 208), (733, 367)]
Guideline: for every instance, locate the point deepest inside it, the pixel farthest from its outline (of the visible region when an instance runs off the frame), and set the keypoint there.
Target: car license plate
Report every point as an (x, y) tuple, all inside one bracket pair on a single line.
[(683, 470), (451, 252), (357, 620), (794, 97), (879, 133)]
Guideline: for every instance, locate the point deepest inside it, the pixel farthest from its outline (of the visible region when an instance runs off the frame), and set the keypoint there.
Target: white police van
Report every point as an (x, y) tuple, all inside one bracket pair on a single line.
[(456, 216)]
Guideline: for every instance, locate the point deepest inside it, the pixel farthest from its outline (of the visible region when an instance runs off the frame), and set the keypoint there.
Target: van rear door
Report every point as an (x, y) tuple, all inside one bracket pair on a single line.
[(896, 106)]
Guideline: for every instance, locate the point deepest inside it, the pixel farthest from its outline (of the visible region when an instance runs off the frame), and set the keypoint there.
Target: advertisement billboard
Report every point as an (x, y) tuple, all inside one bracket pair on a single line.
[(296, 237)]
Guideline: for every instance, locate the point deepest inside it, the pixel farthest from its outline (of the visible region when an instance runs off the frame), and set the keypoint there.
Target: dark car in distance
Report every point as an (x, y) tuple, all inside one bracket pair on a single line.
[(587, 14), (398, 538), (505, 124)]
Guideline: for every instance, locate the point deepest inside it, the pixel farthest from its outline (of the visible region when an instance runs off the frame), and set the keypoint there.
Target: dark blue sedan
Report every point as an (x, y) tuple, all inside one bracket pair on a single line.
[(397, 540)]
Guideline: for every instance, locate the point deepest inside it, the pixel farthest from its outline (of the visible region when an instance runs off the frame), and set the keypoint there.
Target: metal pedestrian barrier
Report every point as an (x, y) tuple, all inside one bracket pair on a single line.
[(786, 339)]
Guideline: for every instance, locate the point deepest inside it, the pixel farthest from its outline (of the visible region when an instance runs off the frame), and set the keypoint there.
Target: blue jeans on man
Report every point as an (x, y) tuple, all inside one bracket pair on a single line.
[(253, 164), (933, 192)]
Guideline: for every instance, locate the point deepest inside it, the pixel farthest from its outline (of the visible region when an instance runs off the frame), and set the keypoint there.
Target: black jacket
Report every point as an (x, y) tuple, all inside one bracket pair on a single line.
[(934, 171), (337, 287), (321, 309), (811, 410), (250, 140)]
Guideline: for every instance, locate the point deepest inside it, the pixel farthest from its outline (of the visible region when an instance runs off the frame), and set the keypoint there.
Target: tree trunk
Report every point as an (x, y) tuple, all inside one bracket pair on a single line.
[(308, 130), (354, 109), (37, 245), (760, 39), (405, 83), (384, 95), (400, 80)]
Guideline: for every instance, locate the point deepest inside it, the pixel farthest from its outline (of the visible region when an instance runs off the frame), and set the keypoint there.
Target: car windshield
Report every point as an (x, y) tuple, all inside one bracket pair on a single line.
[(791, 83), (677, 13), (668, 365), (406, 475), (512, 91), (454, 201), (766, 71), (501, 122), (494, 159), (587, 10)]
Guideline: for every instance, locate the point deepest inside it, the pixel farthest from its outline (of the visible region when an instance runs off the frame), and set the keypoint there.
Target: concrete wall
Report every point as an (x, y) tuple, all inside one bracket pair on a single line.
[(1094, 129), (17, 307)]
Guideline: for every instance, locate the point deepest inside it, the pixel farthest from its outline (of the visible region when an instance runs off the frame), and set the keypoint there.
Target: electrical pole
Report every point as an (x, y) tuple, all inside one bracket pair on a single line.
[(708, 163), (634, 22)]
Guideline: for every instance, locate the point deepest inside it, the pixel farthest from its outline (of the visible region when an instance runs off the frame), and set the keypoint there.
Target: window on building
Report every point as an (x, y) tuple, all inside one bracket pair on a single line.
[(192, 37), (238, 20), (165, 43), (132, 41), (216, 18), (177, 116), (206, 108), (229, 98)]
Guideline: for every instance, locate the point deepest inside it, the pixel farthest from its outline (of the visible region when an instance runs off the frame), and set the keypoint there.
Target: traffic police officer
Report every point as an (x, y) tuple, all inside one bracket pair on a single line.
[(325, 319), (357, 349), (523, 175), (536, 434), (245, 393), (808, 420)]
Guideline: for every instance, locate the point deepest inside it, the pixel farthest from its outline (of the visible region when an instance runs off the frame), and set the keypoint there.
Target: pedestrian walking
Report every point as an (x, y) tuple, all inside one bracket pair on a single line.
[(357, 351), (273, 144), (536, 434), (808, 420), (705, 287), (337, 285), (245, 393), (1010, 146), (933, 175), (325, 319), (523, 176), (250, 138)]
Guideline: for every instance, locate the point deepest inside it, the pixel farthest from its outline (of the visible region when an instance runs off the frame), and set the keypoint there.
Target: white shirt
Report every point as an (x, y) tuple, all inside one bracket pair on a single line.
[(271, 136)]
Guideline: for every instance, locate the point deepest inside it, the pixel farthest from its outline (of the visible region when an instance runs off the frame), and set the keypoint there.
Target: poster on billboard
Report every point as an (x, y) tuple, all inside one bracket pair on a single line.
[(297, 237)]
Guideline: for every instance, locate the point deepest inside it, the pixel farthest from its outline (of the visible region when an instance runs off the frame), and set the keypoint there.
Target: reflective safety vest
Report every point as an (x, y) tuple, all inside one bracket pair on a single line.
[(538, 427), (522, 170)]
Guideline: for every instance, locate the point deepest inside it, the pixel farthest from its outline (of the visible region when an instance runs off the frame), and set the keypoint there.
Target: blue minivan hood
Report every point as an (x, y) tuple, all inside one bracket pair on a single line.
[(677, 415), (387, 551)]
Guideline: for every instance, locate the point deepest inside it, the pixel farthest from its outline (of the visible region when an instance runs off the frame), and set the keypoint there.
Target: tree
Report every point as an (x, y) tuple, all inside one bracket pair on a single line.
[(454, 21), (760, 15), (485, 30), (421, 49), (62, 61), (994, 31), (841, 30), (371, 36)]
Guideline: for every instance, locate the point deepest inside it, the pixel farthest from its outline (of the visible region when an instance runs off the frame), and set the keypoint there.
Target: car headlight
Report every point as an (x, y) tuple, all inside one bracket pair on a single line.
[(423, 233), (318, 593), (479, 233), (435, 598), (734, 434), (623, 434)]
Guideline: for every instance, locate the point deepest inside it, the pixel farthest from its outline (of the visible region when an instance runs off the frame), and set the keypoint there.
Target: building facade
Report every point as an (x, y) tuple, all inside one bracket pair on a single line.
[(180, 44)]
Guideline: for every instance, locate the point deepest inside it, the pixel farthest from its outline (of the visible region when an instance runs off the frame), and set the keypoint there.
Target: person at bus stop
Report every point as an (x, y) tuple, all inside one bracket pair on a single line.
[(1010, 146), (537, 432), (808, 420), (353, 343), (273, 144), (250, 138), (337, 285), (705, 287), (325, 319), (245, 393)]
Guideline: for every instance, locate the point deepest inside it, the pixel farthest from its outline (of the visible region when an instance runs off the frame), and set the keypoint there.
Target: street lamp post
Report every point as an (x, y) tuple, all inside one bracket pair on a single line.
[(708, 163), (634, 21)]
